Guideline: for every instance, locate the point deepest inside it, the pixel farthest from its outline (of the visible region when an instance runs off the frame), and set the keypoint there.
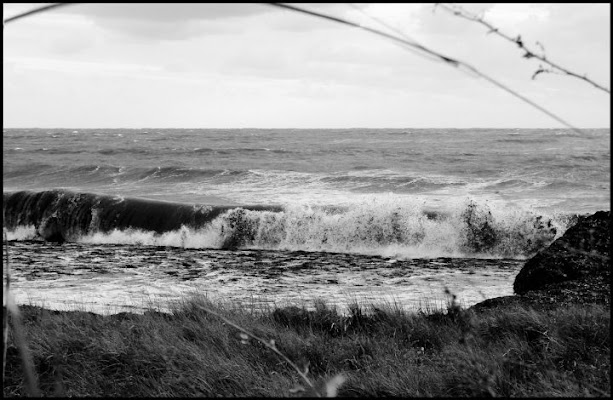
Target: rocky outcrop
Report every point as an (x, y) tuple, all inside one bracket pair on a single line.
[(581, 253), (574, 269)]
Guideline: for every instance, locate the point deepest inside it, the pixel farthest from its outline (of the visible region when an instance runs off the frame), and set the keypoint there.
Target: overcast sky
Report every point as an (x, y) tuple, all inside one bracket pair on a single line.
[(256, 66)]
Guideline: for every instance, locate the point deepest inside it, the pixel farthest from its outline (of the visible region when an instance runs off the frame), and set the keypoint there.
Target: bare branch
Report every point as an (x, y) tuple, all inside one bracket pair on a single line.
[(538, 71), (457, 10)]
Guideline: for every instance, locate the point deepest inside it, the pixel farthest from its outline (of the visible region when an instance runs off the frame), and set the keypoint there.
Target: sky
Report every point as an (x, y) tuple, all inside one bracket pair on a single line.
[(258, 66)]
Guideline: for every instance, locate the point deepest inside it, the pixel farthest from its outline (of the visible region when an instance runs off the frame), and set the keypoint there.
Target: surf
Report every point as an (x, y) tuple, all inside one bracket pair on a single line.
[(390, 226)]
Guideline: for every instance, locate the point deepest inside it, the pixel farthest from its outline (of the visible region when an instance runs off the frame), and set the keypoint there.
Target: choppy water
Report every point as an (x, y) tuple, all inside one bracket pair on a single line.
[(109, 278), (401, 194), (542, 168)]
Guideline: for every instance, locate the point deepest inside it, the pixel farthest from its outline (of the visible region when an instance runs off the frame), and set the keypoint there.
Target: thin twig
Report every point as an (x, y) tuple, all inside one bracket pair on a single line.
[(458, 11), (34, 11), (270, 344)]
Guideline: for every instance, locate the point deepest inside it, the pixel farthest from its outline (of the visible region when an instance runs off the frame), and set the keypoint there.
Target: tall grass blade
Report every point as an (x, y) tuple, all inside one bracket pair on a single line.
[(30, 379), (5, 316)]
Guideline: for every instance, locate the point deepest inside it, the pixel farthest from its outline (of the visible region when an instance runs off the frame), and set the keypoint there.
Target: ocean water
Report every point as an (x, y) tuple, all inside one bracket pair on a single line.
[(397, 194)]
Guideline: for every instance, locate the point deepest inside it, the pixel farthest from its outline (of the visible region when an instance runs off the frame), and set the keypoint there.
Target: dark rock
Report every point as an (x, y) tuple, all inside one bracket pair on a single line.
[(575, 269), (582, 252), (592, 290)]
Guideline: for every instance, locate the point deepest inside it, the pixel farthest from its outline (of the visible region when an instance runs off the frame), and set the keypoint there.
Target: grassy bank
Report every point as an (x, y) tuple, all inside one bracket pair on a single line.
[(511, 351)]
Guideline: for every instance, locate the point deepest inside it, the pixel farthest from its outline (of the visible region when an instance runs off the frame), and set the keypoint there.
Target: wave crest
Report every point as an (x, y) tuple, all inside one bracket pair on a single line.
[(398, 227)]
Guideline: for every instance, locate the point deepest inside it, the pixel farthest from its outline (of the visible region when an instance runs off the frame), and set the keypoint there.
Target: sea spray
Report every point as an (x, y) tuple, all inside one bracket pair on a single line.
[(391, 229), (391, 226)]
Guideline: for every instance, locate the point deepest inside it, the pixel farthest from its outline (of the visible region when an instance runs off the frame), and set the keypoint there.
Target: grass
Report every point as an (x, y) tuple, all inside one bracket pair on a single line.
[(378, 351)]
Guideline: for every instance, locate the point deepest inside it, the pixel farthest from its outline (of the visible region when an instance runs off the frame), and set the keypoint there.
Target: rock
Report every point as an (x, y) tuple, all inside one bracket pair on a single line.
[(581, 253), (574, 269), (593, 290)]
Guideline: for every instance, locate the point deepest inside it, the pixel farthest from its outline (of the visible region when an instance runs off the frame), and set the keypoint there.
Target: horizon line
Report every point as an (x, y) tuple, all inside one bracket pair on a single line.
[(301, 128)]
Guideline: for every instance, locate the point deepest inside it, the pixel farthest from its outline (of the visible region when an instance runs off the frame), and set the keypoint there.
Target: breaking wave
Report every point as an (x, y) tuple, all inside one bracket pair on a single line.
[(385, 226)]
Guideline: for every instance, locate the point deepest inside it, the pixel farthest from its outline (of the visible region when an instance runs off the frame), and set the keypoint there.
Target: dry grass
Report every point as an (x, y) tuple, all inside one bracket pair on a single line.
[(200, 350)]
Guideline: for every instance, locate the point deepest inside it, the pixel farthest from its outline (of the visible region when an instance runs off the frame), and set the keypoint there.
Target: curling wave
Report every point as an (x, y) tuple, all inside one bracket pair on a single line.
[(388, 227)]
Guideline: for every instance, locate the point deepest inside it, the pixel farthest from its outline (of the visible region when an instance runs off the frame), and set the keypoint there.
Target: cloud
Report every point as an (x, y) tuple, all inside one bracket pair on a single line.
[(183, 21), (405, 17), (168, 12), (155, 21), (71, 67), (511, 17), (233, 58)]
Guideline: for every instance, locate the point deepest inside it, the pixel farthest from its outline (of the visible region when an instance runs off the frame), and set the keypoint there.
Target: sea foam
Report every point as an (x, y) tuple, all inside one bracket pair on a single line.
[(391, 226)]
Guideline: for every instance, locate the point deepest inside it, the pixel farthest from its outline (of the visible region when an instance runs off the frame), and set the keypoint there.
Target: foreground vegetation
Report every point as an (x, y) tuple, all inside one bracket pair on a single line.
[(511, 351)]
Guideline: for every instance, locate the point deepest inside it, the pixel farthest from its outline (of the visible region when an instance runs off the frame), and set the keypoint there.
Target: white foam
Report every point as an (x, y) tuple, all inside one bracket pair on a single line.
[(390, 226), (21, 232)]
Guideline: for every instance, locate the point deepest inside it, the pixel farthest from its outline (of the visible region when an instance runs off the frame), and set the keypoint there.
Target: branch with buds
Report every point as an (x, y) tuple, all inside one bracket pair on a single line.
[(458, 11)]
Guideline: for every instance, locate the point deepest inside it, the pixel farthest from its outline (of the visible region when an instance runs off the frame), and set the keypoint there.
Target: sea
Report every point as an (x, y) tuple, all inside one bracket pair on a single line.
[(416, 218)]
